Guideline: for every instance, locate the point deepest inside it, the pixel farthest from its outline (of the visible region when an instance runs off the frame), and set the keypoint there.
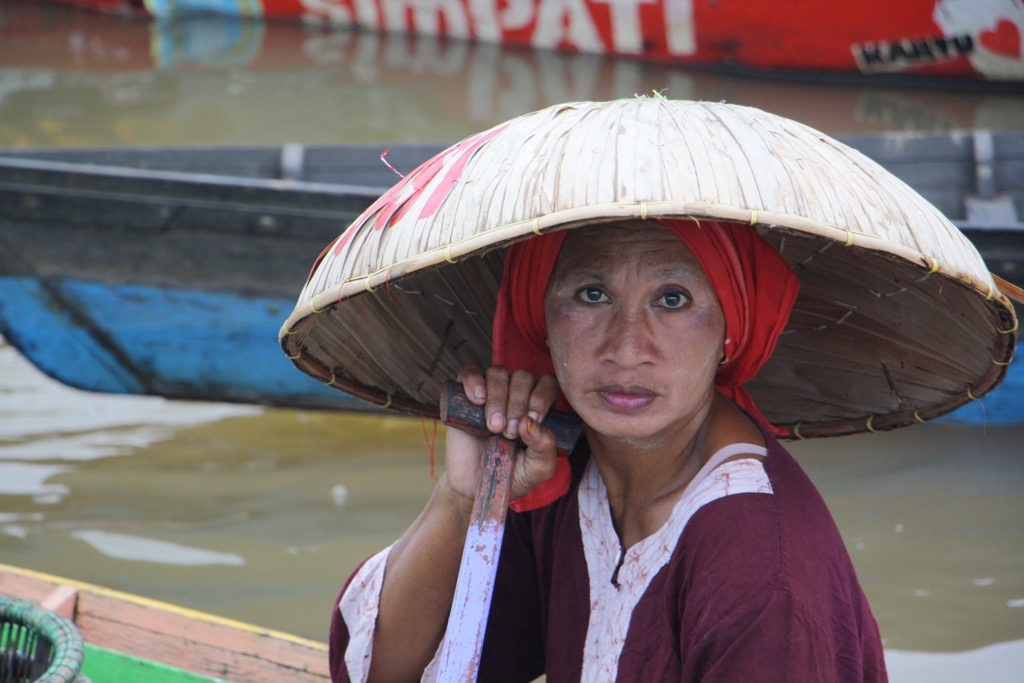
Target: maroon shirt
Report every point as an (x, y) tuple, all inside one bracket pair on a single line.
[(759, 588)]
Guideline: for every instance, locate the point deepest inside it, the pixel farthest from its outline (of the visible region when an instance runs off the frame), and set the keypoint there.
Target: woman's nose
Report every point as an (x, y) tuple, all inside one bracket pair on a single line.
[(628, 340)]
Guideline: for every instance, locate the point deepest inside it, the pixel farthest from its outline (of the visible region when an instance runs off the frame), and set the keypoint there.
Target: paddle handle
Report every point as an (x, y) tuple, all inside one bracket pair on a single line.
[(457, 411), (467, 622)]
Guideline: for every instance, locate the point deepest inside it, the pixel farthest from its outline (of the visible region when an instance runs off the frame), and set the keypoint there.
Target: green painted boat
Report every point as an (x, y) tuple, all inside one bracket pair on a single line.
[(131, 639)]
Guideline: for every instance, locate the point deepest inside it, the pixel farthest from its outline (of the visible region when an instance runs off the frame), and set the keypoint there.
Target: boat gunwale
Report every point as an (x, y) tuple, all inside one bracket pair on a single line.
[(185, 612)]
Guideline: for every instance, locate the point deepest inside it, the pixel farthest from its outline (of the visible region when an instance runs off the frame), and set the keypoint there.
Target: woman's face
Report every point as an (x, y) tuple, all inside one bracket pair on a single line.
[(634, 328)]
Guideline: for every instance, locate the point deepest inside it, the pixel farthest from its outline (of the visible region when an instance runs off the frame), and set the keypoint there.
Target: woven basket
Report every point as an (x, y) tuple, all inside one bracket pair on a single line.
[(37, 646), (898, 320)]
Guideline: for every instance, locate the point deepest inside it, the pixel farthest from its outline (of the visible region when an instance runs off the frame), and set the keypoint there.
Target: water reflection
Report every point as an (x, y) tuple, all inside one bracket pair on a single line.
[(134, 548), (46, 420), (246, 512), (30, 480), (76, 78), (999, 663), (211, 41)]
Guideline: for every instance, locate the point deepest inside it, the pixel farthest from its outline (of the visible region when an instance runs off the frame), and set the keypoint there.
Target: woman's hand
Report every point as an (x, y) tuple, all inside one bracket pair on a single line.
[(514, 406), (423, 567)]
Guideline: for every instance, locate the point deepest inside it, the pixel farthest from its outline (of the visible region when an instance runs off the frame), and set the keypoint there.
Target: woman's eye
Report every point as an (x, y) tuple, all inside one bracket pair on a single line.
[(592, 295), (673, 300)]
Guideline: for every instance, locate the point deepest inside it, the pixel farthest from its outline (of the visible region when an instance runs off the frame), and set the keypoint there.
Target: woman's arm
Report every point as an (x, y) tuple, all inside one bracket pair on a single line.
[(423, 566)]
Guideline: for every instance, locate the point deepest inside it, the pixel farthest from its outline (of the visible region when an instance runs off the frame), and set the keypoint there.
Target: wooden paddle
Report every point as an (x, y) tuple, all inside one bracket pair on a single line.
[(467, 622)]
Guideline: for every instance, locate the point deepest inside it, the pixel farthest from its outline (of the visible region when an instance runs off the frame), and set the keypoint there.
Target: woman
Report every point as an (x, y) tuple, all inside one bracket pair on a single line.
[(681, 542)]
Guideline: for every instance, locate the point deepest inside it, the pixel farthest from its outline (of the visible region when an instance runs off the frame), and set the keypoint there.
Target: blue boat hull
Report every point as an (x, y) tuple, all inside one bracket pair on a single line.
[(133, 339)]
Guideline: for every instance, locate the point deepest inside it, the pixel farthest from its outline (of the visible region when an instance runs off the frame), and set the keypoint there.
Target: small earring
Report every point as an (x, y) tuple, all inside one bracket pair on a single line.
[(725, 359)]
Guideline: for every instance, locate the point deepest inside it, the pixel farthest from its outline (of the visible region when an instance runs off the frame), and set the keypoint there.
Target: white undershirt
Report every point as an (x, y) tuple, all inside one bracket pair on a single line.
[(612, 604)]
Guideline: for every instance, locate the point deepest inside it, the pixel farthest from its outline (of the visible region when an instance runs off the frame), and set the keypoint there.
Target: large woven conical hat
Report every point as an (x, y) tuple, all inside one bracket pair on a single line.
[(897, 321)]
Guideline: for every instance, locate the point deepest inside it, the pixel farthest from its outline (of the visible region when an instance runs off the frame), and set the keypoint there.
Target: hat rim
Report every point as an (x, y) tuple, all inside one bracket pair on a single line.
[(766, 221)]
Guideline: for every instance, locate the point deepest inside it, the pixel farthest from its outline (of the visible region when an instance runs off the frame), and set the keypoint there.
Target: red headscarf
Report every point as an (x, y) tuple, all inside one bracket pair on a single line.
[(754, 285)]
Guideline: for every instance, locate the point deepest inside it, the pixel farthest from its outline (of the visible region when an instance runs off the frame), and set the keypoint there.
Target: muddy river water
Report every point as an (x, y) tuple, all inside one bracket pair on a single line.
[(260, 514)]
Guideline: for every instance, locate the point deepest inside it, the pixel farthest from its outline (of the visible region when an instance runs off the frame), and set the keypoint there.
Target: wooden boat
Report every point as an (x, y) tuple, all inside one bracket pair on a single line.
[(967, 39), (131, 638), (145, 270)]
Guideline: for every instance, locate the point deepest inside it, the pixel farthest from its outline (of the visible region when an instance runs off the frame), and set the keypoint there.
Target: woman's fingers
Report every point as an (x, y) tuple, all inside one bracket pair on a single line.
[(539, 440), (543, 396), (508, 398), (497, 398), (538, 461), (520, 387), (473, 382)]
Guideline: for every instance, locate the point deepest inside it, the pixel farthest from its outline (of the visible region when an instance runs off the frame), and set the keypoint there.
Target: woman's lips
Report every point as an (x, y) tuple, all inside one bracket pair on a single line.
[(626, 399)]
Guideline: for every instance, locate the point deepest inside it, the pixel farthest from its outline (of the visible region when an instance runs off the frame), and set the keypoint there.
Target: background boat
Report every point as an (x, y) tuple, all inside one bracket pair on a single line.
[(72, 77), (968, 39), (130, 638), (168, 271)]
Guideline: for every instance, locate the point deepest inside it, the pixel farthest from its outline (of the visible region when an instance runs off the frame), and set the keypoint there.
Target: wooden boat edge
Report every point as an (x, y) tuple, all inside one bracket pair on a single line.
[(149, 631), (189, 613)]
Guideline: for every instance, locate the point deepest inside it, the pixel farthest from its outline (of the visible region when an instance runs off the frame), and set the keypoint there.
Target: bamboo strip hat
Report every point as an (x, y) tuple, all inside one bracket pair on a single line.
[(897, 319)]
